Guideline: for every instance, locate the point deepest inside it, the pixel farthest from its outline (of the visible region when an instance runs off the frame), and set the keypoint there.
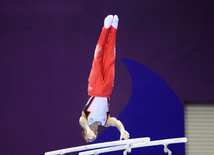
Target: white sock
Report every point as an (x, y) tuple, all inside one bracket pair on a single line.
[(115, 21), (108, 20)]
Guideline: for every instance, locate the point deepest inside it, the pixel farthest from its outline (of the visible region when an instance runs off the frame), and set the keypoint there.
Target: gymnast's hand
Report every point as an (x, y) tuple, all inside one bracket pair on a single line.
[(124, 135)]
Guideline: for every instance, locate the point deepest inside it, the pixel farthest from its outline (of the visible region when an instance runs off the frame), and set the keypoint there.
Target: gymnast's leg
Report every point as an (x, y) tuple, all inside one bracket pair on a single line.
[(109, 60), (96, 75)]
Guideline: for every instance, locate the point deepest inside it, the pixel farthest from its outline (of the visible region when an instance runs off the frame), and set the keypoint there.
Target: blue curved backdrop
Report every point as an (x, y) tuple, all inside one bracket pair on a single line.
[(153, 111)]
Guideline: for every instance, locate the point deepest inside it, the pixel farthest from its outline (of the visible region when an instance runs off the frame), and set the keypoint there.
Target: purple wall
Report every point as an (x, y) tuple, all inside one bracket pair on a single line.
[(46, 51)]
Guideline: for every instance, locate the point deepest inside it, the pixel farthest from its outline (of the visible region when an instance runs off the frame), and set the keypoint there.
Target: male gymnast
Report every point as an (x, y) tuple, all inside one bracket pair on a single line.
[(100, 85)]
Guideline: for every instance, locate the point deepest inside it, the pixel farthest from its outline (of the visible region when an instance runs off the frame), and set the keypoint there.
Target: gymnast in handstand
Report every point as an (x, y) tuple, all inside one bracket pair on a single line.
[(100, 85)]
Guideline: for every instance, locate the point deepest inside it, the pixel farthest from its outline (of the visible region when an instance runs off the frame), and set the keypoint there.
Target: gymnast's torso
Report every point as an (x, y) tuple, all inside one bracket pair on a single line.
[(97, 109)]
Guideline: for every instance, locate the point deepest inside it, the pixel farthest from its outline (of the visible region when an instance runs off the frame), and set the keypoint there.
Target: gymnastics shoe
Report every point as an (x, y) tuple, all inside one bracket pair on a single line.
[(115, 21), (108, 21)]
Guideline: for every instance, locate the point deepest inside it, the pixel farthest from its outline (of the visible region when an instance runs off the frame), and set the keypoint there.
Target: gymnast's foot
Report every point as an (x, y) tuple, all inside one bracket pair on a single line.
[(115, 21), (108, 21)]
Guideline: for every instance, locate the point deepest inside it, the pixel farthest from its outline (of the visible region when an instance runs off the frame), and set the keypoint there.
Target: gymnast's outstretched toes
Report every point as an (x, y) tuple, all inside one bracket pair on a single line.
[(115, 21), (108, 21)]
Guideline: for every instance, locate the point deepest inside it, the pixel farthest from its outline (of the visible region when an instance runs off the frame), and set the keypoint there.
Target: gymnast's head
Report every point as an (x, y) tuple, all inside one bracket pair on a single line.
[(89, 135)]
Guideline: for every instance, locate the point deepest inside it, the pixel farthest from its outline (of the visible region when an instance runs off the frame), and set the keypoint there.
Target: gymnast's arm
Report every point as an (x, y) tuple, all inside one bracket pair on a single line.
[(83, 122), (112, 121)]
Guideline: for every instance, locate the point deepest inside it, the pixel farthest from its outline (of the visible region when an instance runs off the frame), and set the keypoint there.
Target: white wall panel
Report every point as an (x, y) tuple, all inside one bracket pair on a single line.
[(199, 128)]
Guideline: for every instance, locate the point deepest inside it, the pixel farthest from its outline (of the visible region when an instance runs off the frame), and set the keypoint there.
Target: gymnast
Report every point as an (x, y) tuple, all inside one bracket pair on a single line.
[(100, 85)]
